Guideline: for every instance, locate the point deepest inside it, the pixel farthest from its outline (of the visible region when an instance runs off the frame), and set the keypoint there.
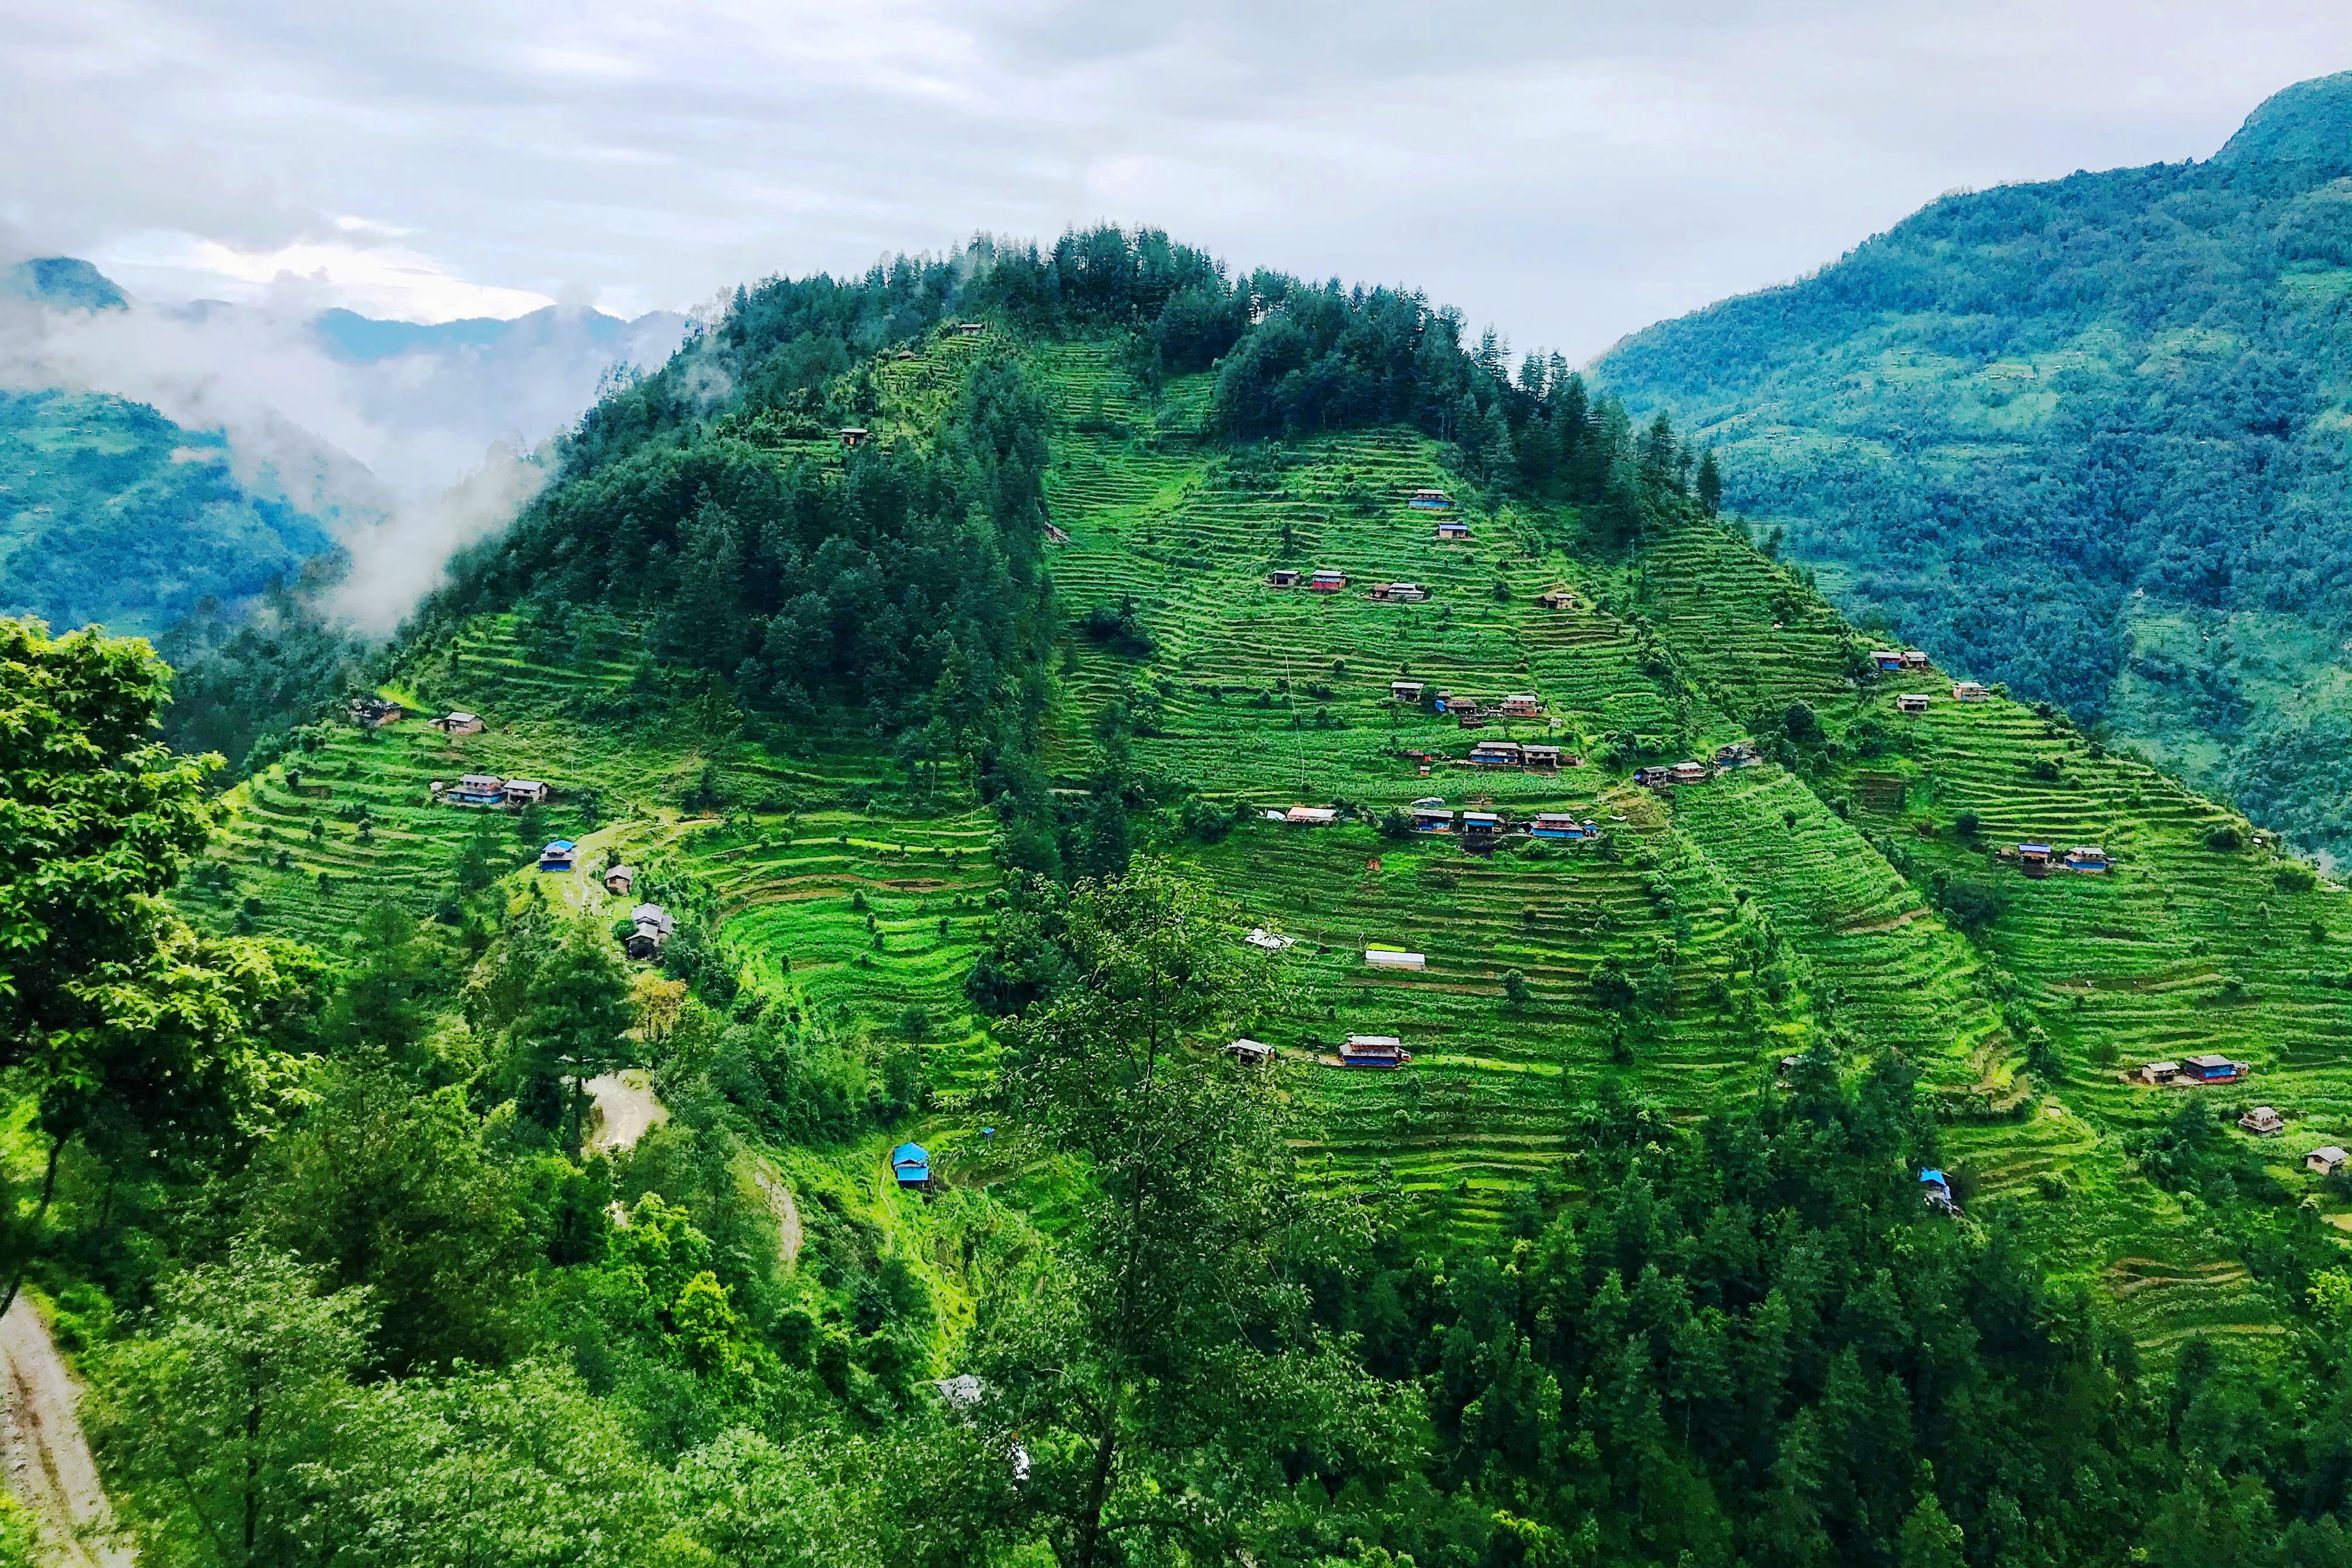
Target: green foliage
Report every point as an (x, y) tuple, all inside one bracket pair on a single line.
[(2103, 431)]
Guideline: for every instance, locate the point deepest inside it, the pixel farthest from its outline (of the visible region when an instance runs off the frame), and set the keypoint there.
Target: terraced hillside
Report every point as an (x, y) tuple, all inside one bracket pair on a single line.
[(1787, 905)]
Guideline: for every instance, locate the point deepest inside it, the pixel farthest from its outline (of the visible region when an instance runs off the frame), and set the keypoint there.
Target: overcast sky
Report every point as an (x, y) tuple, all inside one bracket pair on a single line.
[(1567, 171)]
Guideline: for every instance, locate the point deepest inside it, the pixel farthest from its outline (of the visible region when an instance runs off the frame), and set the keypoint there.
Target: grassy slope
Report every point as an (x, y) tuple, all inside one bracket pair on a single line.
[(1703, 630)]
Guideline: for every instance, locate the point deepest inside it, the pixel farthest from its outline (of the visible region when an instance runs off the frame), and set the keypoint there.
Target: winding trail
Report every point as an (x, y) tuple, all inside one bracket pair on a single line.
[(50, 1464)]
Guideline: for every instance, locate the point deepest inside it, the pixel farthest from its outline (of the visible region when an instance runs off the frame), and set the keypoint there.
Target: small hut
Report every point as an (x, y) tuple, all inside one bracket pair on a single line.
[(1431, 819), (559, 855), (1913, 658), (1373, 1051), (1405, 691), (1738, 754), (1541, 756), (2033, 859), (1690, 772), (1936, 1189), (1327, 580), (1560, 825), (1912, 702), (2263, 1122), (1522, 705), (1480, 828), (910, 1166), (456, 724), (1283, 577), (374, 712), (2086, 857), (1250, 1053), (1888, 661), (1311, 815), (649, 926), (2327, 1159), (855, 435), (1498, 754), (2158, 1074), (620, 880), (2212, 1068), (1429, 501), (964, 329), (1556, 599), (1969, 691), (1454, 528), (1389, 958), (479, 789), (526, 792)]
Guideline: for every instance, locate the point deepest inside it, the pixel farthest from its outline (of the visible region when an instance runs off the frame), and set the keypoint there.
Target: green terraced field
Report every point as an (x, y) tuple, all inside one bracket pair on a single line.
[(1757, 913)]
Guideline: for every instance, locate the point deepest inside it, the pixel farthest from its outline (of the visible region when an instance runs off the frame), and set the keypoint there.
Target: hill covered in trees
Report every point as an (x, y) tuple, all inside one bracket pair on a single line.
[(962, 754), (2085, 437)]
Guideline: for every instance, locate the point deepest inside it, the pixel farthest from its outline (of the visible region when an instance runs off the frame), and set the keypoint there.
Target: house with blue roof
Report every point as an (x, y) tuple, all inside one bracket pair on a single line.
[(559, 856), (911, 1164)]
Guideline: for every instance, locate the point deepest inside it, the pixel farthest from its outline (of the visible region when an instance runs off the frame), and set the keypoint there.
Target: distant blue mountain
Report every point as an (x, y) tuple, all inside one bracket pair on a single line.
[(65, 283), (363, 339)]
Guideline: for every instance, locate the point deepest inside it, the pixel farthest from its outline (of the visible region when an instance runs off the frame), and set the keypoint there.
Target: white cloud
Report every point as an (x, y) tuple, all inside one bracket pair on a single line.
[(375, 279), (1570, 172)]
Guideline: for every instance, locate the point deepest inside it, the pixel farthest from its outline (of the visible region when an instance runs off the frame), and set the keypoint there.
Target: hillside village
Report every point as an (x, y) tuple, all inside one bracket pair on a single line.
[(1545, 819)]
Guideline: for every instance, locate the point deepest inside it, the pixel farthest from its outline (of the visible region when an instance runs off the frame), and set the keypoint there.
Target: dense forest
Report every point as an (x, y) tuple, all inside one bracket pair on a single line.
[(2085, 437)]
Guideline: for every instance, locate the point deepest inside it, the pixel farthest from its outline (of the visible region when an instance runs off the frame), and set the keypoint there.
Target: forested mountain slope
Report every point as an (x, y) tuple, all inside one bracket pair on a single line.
[(949, 747), (2085, 437)]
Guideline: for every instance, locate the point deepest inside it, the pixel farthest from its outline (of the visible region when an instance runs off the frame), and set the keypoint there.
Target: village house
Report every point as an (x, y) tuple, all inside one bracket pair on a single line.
[(620, 880), (1690, 772), (1937, 1191), (2327, 1159), (456, 724), (1283, 577), (1497, 754), (1373, 1051), (1556, 599), (1400, 593), (1969, 691), (1405, 691), (1452, 528), (1541, 756), (1250, 1053), (2033, 859), (1259, 937), (1328, 580), (559, 855), (1912, 702), (526, 792), (1431, 819), (910, 1166), (1389, 958), (1888, 659), (1479, 828), (479, 789), (1311, 815), (1561, 824), (2159, 1073), (853, 435), (1654, 778), (2086, 857), (1914, 658), (1522, 705), (1738, 754), (1429, 500), (649, 926), (964, 329), (2212, 1068), (2263, 1121), (374, 712)]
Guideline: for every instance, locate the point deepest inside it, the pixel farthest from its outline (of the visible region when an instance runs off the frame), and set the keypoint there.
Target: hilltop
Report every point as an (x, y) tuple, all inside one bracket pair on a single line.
[(2082, 437)]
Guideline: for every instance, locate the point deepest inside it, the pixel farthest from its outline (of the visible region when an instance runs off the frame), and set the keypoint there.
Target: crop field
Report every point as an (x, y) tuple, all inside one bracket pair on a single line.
[(1713, 929)]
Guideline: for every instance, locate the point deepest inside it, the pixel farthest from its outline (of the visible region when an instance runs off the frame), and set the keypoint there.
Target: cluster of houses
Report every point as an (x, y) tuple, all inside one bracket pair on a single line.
[(1432, 816), (1513, 754), (2264, 1121), (490, 790), (1666, 775), (1894, 661), (1400, 593), (1355, 1051), (2190, 1072), (1962, 691), (2040, 860), (374, 712)]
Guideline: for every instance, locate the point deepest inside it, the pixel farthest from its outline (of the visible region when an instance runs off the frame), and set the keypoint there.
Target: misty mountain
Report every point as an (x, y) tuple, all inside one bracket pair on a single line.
[(2086, 437), (156, 458)]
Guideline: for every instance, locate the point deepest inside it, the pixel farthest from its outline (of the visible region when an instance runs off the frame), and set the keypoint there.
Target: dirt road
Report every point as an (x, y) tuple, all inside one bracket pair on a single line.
[(49, 1466), (625, 1108)]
